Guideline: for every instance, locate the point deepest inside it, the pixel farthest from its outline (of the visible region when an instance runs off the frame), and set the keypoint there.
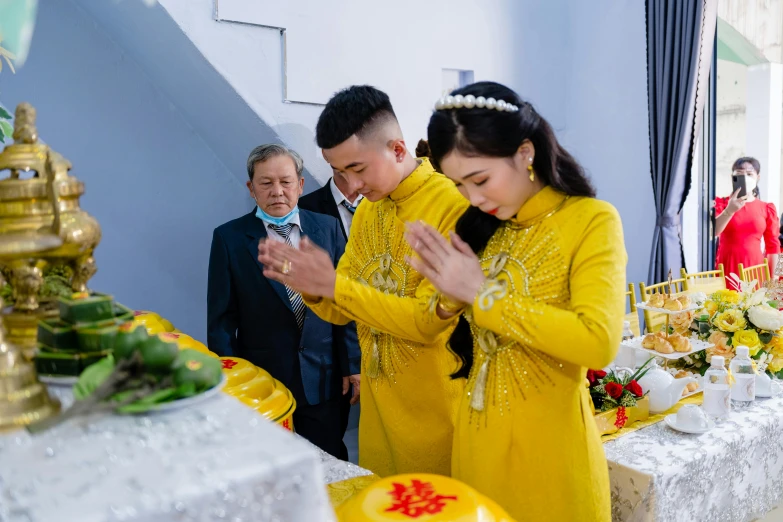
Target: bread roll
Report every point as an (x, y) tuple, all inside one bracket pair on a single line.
[(672, 304)]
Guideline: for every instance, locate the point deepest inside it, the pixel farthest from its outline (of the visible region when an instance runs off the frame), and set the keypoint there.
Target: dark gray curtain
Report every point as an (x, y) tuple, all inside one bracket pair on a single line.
[(679, 44)]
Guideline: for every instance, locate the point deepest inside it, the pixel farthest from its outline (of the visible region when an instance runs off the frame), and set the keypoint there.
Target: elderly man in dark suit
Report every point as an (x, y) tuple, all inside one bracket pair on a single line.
[(267, 323)]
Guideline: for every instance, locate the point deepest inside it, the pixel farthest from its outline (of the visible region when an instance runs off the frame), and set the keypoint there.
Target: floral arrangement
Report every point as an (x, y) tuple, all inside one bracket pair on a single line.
[(610, 390), (741, 317)]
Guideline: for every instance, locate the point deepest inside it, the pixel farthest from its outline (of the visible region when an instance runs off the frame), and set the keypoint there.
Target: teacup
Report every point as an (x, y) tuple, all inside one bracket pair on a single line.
[(691, 417), (763, 385), (775, 389), (626, 357)]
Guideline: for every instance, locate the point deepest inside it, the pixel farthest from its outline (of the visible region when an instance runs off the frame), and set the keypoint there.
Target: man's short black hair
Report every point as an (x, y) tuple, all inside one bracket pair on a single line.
[(354, 110)]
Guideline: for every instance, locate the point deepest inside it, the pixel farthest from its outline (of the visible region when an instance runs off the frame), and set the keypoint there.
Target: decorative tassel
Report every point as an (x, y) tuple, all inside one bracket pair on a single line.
[(477, 400), (374, 366)]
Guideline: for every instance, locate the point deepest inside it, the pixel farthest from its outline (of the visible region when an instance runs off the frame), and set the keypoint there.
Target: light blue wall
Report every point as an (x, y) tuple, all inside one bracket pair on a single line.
[(607, 123), (542, 58), (163, 161)]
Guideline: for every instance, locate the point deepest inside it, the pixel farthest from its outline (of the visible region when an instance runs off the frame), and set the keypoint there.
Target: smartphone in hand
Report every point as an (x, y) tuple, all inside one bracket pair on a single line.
[(738, 182)]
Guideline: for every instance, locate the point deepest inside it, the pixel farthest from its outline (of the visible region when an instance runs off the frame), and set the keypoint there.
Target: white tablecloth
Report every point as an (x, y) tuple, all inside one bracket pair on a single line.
[(217, 461), (731, 473), (222, 461)]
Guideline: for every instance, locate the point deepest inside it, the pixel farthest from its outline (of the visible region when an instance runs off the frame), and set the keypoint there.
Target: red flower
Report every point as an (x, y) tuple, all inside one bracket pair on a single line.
[(599, 374), (634, 388), (615, 390), (591, 377)]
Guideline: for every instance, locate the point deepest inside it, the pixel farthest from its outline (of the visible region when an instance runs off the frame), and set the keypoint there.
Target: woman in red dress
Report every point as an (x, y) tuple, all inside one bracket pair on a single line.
[(742, 222)]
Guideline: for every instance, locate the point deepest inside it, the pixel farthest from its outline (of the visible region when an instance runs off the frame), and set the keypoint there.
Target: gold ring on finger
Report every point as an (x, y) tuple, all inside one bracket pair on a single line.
[(286, 266)]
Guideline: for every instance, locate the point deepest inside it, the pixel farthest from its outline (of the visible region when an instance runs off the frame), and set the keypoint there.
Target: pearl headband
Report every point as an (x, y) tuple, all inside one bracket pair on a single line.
[(470, 101)]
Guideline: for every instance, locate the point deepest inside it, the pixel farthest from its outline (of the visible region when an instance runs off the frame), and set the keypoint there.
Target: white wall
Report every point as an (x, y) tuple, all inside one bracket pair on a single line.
[(582, 65), (760, 21), (764, 124), (731, 124), (400, 48)]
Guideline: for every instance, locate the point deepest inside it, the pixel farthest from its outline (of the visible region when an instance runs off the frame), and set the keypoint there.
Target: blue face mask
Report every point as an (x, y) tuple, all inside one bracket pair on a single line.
[(279, 221)]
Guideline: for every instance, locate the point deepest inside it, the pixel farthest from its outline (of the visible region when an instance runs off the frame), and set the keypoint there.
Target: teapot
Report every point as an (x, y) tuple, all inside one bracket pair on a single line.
[(662, 388)]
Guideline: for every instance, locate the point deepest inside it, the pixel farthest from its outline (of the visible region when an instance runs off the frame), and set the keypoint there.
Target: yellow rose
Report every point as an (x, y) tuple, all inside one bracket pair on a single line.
[(747, 338), (711, 307), (775, 365), (776, 344), (776, 350), (730, 321), (726, 296)]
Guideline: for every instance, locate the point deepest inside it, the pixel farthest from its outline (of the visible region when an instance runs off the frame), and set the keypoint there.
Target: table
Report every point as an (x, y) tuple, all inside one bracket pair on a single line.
[(222, 461), (216, 461), (732, 473)]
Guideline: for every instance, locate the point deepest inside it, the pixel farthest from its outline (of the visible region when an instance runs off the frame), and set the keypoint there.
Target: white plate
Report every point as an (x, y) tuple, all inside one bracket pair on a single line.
[(188, 401), (698, 345), (671, 420), (691, 308), (58, 380)]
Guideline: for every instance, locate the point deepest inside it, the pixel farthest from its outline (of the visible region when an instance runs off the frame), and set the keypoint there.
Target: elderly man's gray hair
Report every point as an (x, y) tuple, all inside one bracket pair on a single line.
[(270, 150)]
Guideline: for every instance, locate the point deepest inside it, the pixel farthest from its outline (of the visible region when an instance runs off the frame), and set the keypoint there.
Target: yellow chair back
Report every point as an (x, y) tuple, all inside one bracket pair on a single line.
[(759, 273), (633, 315), (707, 282), (656, 321)]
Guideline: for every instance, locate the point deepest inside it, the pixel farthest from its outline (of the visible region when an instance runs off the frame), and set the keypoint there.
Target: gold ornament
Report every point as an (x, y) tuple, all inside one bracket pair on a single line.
[(46, 199)]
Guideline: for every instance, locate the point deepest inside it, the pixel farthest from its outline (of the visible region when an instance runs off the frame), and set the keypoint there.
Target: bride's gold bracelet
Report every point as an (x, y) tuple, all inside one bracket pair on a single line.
[(450, 307)]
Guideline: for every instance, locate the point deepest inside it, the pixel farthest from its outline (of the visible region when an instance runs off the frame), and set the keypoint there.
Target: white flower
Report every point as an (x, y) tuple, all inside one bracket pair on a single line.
[(698, 298), (743, 287), (758, 297), (766, 318)]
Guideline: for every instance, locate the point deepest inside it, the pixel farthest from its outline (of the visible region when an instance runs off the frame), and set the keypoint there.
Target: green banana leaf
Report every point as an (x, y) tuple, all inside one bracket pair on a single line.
[(95, 374)]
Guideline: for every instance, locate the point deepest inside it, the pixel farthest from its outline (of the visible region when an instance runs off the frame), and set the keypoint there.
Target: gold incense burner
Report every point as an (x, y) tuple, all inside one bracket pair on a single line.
[(35, 198), (23, 399)]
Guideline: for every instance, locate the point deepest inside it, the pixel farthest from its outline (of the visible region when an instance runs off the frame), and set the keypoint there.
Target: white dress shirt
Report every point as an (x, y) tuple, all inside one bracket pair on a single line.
[(345, 215), (296, 231)]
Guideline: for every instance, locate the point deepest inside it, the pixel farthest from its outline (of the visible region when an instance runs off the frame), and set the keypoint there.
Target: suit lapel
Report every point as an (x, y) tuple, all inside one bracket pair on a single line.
[(256, 231), (311, 228)]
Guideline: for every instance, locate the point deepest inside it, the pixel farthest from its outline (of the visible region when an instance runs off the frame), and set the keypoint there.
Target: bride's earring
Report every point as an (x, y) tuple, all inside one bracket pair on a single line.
[(532, 172)]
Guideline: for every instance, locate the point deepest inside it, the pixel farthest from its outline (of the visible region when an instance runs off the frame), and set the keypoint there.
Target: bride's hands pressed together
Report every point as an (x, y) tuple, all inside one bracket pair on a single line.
[(452, 267)]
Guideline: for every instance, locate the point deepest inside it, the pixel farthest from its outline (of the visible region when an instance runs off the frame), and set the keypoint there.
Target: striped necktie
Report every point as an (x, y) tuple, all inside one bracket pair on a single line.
[(297, 305), (347, 205)]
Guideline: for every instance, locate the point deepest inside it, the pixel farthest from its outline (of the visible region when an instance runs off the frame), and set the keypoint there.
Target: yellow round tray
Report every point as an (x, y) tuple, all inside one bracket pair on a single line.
[(420, 497), (237, 370), (259, 387)]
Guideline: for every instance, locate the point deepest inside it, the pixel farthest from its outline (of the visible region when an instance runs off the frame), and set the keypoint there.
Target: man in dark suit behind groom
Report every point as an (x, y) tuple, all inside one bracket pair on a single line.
[(337, 199), (263, 321)]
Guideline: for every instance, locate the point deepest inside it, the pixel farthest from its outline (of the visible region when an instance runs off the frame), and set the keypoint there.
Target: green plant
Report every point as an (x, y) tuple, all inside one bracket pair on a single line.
[(6, 127)]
